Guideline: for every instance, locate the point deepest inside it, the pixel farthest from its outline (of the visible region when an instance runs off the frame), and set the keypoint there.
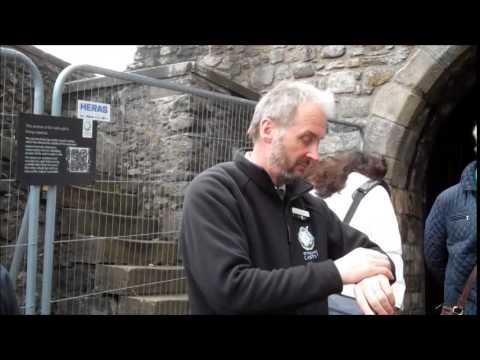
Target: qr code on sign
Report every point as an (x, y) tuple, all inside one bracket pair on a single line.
[(78, 159)]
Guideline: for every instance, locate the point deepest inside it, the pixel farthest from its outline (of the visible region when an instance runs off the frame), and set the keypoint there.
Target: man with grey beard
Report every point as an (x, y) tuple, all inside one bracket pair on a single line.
[(255, 241)]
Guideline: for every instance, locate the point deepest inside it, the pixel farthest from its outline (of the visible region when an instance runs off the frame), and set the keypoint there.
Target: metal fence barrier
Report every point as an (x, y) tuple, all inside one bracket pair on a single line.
[(21, 91), (113, 248)]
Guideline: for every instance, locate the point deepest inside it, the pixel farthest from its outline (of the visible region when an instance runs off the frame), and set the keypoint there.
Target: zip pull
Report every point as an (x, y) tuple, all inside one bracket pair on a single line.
[(288, 235)]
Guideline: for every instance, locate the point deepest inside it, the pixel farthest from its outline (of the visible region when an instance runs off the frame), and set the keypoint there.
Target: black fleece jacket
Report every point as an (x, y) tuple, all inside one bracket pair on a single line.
[(241, 244)]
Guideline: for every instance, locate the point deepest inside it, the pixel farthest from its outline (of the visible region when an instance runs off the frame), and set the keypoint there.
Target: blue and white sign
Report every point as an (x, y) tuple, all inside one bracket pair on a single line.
[(89, 110)]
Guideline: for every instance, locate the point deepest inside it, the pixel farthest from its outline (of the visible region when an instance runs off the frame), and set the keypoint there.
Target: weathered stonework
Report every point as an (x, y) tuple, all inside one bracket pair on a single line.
[(333, 51), (397, 104), (399, 94), (303, 70), (342, 82)]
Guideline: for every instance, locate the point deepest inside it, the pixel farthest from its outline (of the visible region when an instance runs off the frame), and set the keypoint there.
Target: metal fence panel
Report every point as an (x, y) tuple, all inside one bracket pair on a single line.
[(16, 96), (116, 245)]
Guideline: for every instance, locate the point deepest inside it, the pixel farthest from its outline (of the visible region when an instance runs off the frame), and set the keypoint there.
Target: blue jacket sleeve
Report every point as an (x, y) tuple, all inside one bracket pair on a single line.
[(435, 247)]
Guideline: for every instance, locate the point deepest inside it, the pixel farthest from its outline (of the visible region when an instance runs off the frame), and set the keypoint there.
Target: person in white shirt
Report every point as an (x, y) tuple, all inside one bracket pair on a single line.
[(335, 179)]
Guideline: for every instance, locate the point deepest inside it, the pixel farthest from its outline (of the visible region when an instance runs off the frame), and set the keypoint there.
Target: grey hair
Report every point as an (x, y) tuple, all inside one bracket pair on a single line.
[(280, 104)]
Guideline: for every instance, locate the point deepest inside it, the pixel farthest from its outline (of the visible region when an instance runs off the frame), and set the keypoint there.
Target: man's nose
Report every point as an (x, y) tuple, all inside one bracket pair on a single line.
[(313, 152)]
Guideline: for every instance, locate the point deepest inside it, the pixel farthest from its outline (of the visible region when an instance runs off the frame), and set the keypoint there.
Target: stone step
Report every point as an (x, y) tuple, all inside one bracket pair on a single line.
[(117, 186), (91, 250), (78, 197), (153, 305), (99, 223), (140, 280)]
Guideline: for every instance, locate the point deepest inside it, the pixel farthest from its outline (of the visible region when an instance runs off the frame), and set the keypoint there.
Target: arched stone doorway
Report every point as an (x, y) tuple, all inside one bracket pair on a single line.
[(405, 118)]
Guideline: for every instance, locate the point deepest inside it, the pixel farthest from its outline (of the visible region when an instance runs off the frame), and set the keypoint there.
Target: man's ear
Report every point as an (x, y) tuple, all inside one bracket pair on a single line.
[(267, 128)]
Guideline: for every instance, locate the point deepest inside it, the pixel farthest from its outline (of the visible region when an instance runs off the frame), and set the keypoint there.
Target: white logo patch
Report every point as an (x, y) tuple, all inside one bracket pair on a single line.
[(306, 239)]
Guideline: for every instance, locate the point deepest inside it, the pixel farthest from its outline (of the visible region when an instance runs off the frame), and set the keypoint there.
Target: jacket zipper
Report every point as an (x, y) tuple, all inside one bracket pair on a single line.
[(285, 214)]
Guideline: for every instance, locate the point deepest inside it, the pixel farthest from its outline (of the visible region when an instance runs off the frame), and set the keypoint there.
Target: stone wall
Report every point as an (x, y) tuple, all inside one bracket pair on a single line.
[(399, 94), (352, 72)]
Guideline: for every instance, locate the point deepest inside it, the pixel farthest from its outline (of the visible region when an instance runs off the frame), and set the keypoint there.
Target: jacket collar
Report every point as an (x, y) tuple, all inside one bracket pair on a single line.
[(467, 179), (263, 180)]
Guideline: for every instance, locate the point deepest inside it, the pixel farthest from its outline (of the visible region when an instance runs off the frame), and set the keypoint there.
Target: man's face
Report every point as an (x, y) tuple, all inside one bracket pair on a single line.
[(294, 147)]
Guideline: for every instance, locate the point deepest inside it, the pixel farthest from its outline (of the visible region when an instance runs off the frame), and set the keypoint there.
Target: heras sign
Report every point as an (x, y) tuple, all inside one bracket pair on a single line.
[(89, 110)]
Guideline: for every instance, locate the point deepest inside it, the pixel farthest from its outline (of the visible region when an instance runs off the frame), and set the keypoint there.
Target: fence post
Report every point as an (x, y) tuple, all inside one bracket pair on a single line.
[(31, 211), (51, 208)]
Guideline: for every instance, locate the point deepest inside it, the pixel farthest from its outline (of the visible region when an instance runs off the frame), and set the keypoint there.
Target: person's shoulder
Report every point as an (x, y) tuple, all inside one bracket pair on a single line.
[(215, 178), (356, 177), (217, 172), (446, 199), (449, 193), (355, 180), (380, 188), (314, 202)]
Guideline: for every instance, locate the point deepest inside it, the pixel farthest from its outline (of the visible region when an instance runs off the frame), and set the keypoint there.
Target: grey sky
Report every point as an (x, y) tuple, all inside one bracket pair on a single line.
[(114, 57)]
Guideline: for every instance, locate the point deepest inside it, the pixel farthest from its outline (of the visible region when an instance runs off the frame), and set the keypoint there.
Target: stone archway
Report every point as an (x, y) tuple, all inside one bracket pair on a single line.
[(404, 118)]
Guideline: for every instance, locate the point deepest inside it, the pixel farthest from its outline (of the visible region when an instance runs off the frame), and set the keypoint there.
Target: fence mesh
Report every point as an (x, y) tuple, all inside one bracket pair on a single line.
[(116, 246), (16, 96)]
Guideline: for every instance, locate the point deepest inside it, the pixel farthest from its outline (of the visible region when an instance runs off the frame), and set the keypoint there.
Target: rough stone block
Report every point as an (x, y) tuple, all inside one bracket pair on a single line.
[(91, 250), (98, 223), (154, 305), (445, 54), (387, 138), (420, 72), (303, 70), (397, 172), (140, 280), (408, 254), (353, 107), (335, 65), (342, 82), (373, 78), (406, 202), (276, 56), (335, 142), (333, 51), (90, 305), (282, 72), (413, 228), (94, 199), (396, 103), (262, 77), (413, 283)]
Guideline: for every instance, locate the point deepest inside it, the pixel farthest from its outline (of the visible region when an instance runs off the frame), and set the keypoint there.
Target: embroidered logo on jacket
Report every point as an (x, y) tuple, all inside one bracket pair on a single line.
[(307, 241)]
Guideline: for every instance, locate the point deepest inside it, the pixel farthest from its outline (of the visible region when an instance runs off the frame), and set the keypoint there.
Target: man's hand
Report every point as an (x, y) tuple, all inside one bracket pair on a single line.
[(361, 263), (375, 296)]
